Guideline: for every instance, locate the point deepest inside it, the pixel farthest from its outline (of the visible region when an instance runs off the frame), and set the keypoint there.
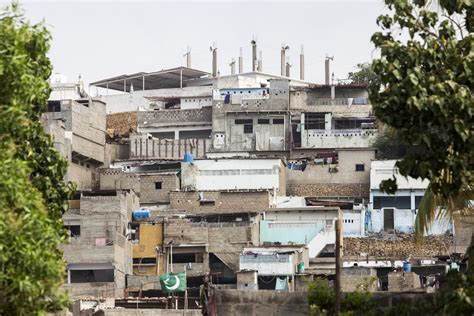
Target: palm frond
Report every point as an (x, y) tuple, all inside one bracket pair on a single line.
[(426, 212)]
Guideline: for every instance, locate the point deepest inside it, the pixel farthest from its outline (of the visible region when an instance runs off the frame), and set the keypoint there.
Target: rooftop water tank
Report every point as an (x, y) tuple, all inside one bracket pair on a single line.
[(141, 214), (188, 157)]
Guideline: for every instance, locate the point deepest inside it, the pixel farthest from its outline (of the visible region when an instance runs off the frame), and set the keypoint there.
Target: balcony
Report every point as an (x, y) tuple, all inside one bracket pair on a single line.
[(338, 138), (174, 117), (339, 101)]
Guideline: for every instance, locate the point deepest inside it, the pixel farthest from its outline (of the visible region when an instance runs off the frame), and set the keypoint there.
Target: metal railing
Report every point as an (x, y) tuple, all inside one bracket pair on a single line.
[(339, 101)]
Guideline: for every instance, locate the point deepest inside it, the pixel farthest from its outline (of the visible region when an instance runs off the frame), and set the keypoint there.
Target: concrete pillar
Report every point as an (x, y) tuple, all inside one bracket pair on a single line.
[(176, 134), (328, 121)]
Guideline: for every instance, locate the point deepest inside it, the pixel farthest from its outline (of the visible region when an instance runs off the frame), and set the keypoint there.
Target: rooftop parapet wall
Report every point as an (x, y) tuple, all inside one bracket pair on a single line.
[(176, 117), (358, 138), (220, 201), (141, 147)]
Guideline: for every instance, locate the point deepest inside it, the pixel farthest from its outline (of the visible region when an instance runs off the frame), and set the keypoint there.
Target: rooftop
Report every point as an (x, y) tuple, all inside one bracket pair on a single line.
[(166, 78)]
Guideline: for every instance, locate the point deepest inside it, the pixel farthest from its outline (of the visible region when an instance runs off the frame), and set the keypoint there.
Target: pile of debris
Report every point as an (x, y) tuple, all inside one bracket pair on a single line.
[(120, 125), (399, 246)]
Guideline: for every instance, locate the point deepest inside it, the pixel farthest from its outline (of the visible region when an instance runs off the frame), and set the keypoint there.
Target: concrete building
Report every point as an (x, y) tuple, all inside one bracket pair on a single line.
[(180, 87), (311, 227), (276, 266), (98, 254), (78, 130), (333, 174), (332, 117), (222, 202), (397, 212), (234, 174), (251, 119), (152, 182), (147, 240), (209, 243)]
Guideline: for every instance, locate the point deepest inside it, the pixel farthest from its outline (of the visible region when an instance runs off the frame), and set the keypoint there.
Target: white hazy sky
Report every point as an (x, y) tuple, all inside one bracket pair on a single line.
[(108, 38)]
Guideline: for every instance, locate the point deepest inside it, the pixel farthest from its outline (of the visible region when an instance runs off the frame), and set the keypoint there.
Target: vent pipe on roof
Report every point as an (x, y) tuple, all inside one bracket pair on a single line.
[(213, 49), (288, 66), (302, 63), (327, 69), (241, 62), (254, 55), (260, 67), (283, 58), (232, 66), (188, 57)]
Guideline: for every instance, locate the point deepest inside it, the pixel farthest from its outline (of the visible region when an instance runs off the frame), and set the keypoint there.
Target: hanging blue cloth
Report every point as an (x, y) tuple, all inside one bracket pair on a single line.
[(227, 99)]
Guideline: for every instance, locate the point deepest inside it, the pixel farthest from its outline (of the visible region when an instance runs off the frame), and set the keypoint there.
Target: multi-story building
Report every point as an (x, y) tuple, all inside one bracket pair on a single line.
[(77, 126), (98, 253)]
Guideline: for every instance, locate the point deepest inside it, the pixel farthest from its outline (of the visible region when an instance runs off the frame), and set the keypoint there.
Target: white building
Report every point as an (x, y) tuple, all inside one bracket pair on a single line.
[(234, 174), (397, 211)]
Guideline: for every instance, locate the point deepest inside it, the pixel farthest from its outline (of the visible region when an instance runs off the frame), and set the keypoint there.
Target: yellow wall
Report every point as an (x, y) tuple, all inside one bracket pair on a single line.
[(150, 236)]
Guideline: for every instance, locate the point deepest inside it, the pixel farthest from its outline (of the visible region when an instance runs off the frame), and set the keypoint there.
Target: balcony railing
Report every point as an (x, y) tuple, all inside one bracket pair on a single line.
[(341, 132), (339, 101)]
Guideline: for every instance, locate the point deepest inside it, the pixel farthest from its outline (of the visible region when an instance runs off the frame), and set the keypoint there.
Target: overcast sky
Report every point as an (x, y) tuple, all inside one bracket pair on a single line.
[(103, 39)]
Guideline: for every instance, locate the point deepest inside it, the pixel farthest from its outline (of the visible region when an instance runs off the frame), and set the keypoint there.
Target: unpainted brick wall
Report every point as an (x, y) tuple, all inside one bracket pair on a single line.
[(330, 189), (222, 238), (148, 192), (224, 202)]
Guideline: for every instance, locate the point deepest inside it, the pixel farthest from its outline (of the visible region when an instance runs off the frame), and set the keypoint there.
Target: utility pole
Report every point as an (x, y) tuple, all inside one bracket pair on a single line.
[(338, 251)]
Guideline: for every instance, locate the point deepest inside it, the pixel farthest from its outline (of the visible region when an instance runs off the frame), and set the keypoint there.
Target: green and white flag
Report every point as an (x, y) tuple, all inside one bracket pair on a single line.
[(173, 282)]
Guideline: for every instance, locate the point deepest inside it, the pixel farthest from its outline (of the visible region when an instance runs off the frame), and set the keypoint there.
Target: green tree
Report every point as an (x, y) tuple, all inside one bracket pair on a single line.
[(33, 194), (363, 75), (423, 92)]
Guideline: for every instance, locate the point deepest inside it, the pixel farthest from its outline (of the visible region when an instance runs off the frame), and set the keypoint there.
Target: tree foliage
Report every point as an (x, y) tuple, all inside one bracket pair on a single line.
[(363, 75), (33, 194), (424, 91)]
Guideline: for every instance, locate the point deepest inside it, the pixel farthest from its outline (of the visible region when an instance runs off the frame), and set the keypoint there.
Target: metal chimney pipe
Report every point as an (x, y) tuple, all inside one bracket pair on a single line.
[(302, 63), (283, 60), (260, 66), (327, 69), (188, 58), (241, 62), (214, 61), (232, 66), (288, 66), (254, 55)]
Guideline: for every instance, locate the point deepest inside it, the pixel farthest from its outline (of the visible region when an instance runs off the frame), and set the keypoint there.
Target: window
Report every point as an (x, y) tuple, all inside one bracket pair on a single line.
[(92, 276), (263, 121), (350, 123), (243, 121), (315, 121), (360, 167), (399, 202), (187, 257), (158, 185), (74, 230), (248, 129), (139, 261), (278, 121), (54, 106), (207, 202)]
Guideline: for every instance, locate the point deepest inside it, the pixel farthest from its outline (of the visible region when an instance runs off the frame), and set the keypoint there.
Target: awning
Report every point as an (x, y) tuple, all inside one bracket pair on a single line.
[(230, 259), (167, 78)]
